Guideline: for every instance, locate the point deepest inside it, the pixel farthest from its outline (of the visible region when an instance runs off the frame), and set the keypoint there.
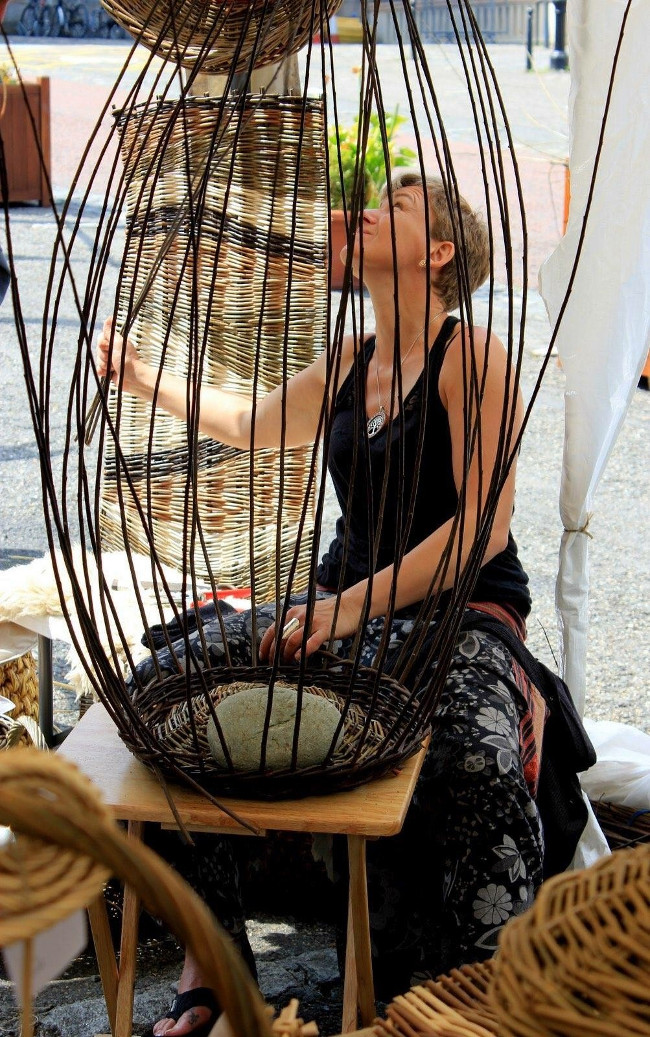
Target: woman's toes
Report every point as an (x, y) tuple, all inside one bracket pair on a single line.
[(189, 1021)]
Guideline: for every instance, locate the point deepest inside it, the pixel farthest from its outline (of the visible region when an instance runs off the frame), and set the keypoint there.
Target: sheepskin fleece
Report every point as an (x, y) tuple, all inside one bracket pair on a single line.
[(31, 590)]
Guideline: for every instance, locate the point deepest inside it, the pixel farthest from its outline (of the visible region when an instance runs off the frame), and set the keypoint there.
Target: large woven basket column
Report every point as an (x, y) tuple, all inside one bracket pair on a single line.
[(227, 206)]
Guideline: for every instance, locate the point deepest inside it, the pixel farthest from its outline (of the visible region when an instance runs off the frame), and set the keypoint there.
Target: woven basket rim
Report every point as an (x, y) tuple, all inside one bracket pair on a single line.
[(222, 35), (368, 749)]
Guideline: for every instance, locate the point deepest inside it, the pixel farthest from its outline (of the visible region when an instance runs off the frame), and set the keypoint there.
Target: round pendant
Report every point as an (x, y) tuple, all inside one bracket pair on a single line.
[(376, 422)]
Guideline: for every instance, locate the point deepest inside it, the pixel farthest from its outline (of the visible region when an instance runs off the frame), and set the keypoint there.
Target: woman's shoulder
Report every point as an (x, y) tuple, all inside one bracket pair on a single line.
[(472, 342), (351, 351), (353, 348), (471, 351), (353, 345)]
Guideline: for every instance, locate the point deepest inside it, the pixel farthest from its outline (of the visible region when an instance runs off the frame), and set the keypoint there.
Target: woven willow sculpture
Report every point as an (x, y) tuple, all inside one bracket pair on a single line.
[(225, 242)]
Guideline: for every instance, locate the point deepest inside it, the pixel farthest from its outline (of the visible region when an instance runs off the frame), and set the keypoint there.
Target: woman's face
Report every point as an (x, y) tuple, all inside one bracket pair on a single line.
[(374, 235)]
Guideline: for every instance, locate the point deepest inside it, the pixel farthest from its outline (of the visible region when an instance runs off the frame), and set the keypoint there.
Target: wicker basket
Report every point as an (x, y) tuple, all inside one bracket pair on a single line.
[(578, 961), (574, 965), (173, 733), (622, 826), (454, 1005), (219, 36), (67, 845), (19, 682), (240, 290)]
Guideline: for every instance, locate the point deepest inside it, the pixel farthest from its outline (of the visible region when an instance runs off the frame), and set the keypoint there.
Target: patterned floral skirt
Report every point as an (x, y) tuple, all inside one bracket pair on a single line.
[(469, 856)]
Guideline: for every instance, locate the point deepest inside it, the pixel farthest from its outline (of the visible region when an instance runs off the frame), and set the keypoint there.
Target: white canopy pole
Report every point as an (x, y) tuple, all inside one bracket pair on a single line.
[(604, 334)]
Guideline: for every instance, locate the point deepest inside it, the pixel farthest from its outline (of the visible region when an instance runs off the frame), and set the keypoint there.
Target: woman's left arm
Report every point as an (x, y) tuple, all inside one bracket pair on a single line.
[(469, 369)]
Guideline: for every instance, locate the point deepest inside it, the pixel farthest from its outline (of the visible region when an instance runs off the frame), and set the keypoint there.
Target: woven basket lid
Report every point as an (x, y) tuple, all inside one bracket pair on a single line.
[(217, 37)]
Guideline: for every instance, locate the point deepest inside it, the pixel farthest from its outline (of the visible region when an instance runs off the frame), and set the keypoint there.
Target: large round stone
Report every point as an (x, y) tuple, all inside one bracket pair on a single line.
[(242, 715)]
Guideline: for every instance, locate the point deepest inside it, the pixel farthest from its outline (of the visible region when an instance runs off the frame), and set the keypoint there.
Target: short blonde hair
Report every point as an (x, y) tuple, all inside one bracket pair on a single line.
[(445, 224)]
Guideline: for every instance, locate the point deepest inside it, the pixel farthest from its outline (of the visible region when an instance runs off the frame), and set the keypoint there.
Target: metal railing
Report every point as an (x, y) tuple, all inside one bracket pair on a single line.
[(500, 21)]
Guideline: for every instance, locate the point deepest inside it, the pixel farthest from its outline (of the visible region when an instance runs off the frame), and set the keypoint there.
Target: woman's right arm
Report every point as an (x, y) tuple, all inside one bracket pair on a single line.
[(224, 416)]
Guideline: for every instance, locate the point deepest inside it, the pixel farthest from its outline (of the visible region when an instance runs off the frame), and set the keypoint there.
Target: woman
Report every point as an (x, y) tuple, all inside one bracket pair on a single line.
[(472, 842)]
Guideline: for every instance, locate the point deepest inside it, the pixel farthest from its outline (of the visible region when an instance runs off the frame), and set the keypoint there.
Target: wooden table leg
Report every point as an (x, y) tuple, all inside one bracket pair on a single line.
[(128, 949), (105, 953), (350, 989), (358, 986)]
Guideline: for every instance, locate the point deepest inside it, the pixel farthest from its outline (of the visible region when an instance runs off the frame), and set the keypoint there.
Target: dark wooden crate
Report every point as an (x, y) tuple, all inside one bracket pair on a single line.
[(27, 167)]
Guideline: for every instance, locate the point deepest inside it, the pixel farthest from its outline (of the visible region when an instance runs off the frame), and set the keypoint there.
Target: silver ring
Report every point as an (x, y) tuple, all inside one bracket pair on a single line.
[(292, 625)]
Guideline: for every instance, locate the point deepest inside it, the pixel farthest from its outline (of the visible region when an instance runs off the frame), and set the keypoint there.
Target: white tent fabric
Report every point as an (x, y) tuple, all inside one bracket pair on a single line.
[(604, 334)]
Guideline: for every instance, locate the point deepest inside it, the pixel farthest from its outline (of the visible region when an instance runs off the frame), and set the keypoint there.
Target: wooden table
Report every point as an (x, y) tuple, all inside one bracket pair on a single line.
[(134, 795)]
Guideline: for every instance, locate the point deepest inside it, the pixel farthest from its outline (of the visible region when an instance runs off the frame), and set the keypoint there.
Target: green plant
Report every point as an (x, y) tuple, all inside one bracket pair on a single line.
[(343, 149), (7, 74)]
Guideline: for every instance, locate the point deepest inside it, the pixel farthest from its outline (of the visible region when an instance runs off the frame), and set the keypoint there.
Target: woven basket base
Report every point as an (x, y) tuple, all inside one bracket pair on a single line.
[(174, 737)]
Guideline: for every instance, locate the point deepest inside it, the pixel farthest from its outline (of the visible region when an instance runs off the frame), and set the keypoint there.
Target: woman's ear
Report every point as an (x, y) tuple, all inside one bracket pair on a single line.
[(442, 252)]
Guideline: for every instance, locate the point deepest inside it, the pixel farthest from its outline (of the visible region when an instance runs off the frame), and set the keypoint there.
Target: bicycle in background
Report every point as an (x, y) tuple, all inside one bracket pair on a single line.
[(33, 21), (69, 18), (105, 27), (61, 18)]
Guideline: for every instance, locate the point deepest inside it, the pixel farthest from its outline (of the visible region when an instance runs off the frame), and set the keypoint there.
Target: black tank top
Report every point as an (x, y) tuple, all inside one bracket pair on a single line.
[(422, 497)]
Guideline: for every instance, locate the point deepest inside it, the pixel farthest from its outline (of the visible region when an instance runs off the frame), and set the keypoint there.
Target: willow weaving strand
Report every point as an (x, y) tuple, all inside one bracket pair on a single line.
[(189, 205)]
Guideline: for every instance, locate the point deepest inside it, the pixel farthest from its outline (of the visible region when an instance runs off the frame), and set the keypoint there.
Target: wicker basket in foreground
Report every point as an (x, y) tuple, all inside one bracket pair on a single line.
[(575, 965), (579, 960)]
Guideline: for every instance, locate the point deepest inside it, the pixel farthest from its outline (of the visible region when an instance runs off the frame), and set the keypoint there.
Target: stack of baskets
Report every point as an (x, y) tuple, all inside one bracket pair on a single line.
[(227, 250), (19, 682)]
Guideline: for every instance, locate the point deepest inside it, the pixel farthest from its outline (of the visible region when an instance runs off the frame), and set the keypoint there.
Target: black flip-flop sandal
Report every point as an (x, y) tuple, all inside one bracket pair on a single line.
[(200, 997)]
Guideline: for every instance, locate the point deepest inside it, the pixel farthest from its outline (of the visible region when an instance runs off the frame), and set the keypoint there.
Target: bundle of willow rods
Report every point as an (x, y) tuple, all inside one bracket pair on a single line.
[(191, 232), (622, 826)]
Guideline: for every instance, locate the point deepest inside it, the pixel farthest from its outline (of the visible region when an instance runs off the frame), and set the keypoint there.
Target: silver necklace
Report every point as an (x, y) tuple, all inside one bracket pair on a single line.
[(376, 423)]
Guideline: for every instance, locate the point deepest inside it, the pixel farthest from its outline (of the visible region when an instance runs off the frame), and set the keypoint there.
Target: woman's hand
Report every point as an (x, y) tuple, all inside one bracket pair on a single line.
[(123, 354), (320, 630)]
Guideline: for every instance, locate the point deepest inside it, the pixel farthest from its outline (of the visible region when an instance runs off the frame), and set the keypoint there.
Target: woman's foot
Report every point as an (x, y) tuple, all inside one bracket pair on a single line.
[(193, 1012)]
